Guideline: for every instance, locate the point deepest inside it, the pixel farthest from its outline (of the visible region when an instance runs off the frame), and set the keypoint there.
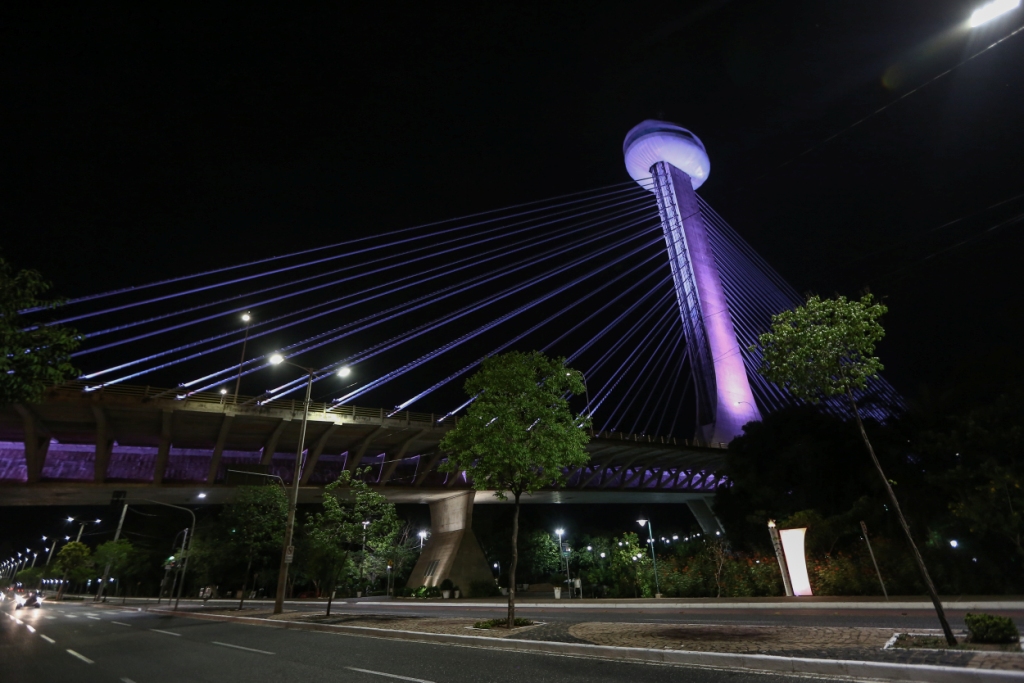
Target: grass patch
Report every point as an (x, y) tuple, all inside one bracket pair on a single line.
[(502, 623), (907, 641)]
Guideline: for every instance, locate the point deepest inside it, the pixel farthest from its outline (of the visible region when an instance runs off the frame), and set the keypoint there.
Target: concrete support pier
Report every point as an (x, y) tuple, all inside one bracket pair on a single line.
[(452, 551)]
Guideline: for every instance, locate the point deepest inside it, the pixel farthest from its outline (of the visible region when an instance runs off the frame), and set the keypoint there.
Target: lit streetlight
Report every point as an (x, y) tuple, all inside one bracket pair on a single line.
[(991, 10), (288, 551), (423, 537), (247, 319), (562, 549), (650, 542)]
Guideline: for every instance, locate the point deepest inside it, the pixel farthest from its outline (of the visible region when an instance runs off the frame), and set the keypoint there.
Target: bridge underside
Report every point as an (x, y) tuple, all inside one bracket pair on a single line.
[(78, 448)]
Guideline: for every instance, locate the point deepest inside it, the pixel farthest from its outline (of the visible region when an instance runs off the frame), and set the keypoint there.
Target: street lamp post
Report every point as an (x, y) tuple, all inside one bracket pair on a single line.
[(247, 319), (423, 536), (288, 550), (561, 549), (650, 541), (106, 570), (186, 551)]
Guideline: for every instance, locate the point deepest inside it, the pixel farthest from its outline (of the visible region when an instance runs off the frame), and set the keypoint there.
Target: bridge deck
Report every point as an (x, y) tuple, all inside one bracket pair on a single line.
[(77, 446)]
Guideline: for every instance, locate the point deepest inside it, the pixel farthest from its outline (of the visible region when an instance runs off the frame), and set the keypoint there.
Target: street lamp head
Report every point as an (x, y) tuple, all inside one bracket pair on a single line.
[(642, 522), (246, 317), (276, 359), (44, 538), (590, 547), (223, 391), (97, 521), (954, 544), (602, 554), (495, 565), (559, 532), (202, 495), (344, 371), (991, 10), (71, 519), (423, 534)]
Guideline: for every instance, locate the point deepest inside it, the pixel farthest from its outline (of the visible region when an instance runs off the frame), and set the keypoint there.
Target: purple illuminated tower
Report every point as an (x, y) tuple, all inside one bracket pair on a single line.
[(678, 163)]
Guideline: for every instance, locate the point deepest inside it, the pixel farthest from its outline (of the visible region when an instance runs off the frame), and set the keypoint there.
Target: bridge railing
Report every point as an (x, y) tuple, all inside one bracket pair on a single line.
[(217, 398)]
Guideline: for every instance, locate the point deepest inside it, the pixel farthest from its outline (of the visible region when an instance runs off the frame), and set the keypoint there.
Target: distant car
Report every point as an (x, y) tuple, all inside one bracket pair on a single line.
[(30, 599)]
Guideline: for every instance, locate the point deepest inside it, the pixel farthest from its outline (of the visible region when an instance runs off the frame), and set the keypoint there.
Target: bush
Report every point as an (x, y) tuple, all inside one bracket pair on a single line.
[(502, 623), (447, 585), (405, 592), (988, 628), (483, 589)]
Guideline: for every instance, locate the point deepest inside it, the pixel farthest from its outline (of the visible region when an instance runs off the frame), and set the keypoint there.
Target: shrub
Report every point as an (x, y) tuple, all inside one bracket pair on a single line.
[(483, 589), (502, 623), (405, 592), (447, 585), (988, 628)]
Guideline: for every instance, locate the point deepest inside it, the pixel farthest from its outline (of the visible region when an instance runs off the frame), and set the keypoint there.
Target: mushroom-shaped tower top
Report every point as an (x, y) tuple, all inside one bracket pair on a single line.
[(653, 141)]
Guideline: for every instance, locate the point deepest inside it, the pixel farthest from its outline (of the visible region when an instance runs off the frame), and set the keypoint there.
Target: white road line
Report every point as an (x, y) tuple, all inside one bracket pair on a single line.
[(239, 647), (121, 623), (82, 657), (127, 680), (32, 630), (169, 633), (381, 673), (71, 616), (49, 616), (19, 622), (96, 618), (48, 639)]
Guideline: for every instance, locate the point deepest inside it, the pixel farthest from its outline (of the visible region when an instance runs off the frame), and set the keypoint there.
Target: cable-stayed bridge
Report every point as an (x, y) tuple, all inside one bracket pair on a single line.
[(641, 285)]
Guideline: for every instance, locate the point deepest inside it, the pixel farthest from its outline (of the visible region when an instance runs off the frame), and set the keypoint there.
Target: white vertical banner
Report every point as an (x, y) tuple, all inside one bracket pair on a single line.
[(793, 546)]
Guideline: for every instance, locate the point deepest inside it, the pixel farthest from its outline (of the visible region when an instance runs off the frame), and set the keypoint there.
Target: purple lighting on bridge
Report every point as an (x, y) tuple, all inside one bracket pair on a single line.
[(679, 163)]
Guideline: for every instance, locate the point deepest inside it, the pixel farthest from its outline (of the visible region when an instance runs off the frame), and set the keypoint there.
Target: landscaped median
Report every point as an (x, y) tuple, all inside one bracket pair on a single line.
[(823, 651)]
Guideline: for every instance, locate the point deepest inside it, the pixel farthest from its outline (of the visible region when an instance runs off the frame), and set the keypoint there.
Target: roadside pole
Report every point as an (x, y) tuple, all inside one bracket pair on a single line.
[(106, 570)]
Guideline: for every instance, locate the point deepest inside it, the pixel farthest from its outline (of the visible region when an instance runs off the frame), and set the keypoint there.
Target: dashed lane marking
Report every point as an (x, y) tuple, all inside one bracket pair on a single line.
[(381, 673), (239, 647), (82, 657), (31, 630), (121, 623), (48, 639), (169, 633), (96, 618), (127, 680)]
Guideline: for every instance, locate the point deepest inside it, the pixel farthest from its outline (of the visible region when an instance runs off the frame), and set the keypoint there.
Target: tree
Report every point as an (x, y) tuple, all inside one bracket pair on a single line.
[(335, 534), (116, 555), (72, 559), (256, 521), (519, 433), (823, 349), (33, 355)]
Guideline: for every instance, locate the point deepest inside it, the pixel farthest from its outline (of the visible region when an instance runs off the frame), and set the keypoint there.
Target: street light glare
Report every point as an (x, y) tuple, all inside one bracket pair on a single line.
[(990, 11), (71, 519), (276, 359), (642, 522), (344, 371), (245, 317), (559, 531)]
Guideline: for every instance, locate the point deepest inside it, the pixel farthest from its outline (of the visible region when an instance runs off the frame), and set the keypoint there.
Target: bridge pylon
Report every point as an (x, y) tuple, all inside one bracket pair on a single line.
[(679, 164)]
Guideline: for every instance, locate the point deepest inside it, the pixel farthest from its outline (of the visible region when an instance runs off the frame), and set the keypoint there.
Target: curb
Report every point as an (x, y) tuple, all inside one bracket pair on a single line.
[(706, 605), (839, 668)]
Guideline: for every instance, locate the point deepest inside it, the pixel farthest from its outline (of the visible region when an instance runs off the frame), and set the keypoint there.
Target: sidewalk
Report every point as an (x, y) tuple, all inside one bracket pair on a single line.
[(827, 651)]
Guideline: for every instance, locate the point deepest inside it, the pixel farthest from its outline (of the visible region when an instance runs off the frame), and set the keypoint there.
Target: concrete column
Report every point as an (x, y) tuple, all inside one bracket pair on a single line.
[(452, 551), (701, 509)]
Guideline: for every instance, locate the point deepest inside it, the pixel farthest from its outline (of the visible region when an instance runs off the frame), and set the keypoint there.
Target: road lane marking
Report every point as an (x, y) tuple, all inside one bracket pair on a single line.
[(19, 622), (96, 618), (30, 628), (49, 616), (169, 633), (48, 639), (239, 647), (71, 616), (127, 680), (82, 657), (381, 673), (121, 623)]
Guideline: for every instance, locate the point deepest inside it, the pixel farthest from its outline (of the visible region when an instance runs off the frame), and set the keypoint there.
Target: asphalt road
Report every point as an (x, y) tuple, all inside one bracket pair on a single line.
[(76, 643), (760, 616)]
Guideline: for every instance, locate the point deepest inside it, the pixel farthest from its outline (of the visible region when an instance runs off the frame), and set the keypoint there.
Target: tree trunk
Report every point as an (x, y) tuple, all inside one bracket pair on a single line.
[(512, 569), (950, 638), (330, 599), (60, 591), (245, 584)]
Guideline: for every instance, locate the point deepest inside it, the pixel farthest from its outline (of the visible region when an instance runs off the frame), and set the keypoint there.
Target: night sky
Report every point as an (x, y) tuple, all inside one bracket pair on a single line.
[(140, 143)]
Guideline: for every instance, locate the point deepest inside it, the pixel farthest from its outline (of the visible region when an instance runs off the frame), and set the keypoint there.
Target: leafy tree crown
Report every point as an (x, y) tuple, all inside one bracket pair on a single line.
[(32, 356), (519, 432), (825, 347)]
